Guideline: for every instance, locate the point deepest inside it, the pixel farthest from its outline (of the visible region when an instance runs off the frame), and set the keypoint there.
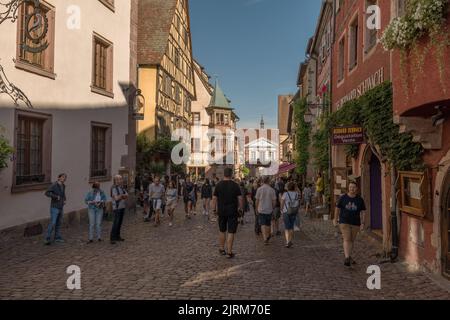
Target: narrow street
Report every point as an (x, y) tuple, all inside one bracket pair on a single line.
[(182, 262)]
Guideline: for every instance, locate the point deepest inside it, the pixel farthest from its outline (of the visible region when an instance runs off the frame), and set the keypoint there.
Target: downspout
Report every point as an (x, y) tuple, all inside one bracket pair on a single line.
[(394, 221)]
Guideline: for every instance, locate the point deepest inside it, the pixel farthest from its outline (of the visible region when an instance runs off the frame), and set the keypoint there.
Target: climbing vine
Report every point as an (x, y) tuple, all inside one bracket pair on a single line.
[(5, 151), (374, 112), (303, 132)]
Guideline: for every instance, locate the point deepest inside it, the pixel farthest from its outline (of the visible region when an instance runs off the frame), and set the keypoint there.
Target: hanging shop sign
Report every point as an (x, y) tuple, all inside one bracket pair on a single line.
[(348, 135), (36, 29)]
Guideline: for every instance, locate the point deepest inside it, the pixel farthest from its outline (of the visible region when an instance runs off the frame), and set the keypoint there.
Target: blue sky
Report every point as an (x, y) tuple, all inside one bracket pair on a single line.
[(254, 47)]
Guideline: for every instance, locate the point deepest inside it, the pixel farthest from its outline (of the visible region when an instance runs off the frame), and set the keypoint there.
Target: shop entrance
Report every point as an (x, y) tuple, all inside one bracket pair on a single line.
[(376, 200), (446, 228)]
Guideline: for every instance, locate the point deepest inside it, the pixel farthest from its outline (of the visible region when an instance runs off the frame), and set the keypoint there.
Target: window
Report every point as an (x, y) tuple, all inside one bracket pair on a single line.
[(33, 149), (41, 62), (177, 58), (353, 53), (341, 59), (102, 73), (400, 8), (195, 145), (177, 93), (196, 117), (226, 119), (100, 150), (371, 34)]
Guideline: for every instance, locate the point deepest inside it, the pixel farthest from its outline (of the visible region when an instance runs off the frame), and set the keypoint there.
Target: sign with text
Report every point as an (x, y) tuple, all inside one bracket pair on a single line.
[(348, 135)]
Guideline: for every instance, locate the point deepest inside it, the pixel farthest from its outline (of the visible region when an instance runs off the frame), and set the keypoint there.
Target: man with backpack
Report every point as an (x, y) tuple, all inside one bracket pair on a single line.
[(119, 202)]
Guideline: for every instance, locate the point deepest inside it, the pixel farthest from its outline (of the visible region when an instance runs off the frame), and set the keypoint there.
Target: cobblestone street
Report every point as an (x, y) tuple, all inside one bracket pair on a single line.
[(182, 262)]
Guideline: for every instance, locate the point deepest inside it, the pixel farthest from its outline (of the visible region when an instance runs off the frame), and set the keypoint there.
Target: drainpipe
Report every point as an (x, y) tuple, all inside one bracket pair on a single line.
[(394, 221)]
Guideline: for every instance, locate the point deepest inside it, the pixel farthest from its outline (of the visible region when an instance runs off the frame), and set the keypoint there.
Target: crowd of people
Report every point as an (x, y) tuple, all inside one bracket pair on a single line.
[(228, 201)]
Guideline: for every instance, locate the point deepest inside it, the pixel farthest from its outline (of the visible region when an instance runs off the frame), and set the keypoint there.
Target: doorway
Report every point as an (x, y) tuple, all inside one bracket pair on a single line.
[(376, 200)]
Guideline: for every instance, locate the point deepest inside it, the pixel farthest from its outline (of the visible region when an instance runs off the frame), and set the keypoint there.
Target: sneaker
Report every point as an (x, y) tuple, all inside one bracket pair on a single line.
[(59, 241), (47, 242), (170, 224), (222, 252), (231, 255), (352, 261), (347, 262), (113, 242), (90, 241)]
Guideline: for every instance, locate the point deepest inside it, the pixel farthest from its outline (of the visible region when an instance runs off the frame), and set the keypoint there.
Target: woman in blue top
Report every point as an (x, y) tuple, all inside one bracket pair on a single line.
[(96, 201)]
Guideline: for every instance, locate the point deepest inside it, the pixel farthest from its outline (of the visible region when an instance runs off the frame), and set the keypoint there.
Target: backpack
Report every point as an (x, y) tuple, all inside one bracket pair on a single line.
[(292, 210)]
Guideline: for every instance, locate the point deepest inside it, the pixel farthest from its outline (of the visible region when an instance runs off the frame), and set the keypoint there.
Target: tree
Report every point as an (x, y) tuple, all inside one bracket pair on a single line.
[(302, 132)]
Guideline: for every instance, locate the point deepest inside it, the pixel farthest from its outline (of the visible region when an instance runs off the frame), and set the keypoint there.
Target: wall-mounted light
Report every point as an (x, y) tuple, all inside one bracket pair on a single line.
[(138, 105), (439, 118)]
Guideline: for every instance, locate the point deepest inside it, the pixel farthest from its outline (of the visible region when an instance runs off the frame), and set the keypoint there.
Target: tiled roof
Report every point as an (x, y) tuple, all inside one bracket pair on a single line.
[(155, 19)]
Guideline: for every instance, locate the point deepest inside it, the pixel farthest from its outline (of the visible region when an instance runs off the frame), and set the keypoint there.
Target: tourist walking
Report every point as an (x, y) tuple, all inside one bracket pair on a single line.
[(156, 193), (96, 202), (307, 197), (57, 193), (188, 197), (206, 195), (227, 202), (148, 209), (349, 214), (266, 201), (254, 189), (275, 231), (171, 200), (119, 197), (319, 190), (290, 204)]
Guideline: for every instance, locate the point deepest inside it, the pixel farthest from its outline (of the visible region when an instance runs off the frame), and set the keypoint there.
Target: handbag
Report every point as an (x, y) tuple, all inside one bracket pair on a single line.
[(292, 211)]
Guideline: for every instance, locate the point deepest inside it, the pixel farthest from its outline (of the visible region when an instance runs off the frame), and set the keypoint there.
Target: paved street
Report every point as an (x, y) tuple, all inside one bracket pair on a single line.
[(182, 263)]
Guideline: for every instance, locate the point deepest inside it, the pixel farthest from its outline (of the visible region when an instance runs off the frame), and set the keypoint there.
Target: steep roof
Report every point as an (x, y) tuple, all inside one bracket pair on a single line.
[(154, 21), (218, 99)]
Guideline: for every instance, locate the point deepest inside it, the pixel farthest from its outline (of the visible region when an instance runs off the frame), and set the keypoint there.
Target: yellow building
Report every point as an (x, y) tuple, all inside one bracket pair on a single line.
[(165, 66)]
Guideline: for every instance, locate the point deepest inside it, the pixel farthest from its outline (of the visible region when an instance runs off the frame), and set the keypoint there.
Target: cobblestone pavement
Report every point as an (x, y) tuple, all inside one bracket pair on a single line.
[(182, 262)]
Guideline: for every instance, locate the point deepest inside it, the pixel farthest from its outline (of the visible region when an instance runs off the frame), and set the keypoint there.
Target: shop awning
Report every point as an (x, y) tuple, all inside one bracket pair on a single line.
[(286, 167)]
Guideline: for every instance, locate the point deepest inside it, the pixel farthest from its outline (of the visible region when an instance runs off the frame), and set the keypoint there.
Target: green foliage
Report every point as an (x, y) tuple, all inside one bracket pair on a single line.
[(5, 152), (147, 151), (321, 143), (245, 171), (374, 112), (303, 132)]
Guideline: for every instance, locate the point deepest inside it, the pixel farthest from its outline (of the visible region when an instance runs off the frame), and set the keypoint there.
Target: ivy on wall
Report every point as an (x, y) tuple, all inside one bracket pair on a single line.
[(147, 150), (374, 112), (303, 132)]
